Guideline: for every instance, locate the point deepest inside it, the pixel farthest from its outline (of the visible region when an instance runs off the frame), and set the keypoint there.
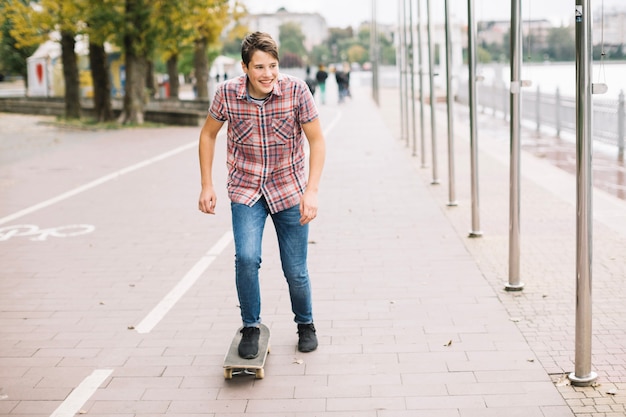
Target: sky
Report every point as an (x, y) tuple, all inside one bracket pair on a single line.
[(342, 13)]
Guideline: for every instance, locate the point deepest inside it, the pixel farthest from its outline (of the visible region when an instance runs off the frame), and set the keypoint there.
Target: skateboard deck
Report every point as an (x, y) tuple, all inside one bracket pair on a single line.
[(236, 365)]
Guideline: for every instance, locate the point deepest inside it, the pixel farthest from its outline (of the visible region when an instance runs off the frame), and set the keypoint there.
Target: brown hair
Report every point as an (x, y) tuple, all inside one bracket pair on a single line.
[(258, 41)]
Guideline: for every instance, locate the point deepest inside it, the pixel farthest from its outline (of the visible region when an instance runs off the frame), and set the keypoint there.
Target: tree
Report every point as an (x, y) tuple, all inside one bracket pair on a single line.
[(138, 45), (65, 16), (320, 54), (175, 34), (70, 74), (291, 40), (19, 37), (561, 44), (338, 42), (234, 37), (208, 18), (357, 53), (102, 20)]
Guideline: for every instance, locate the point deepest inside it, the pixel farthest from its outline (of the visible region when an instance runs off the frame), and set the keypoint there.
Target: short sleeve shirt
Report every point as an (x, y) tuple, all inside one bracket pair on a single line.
[(265, 149)]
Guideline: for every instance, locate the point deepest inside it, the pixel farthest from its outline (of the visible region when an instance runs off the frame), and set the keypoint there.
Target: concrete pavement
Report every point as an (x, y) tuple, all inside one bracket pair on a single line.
[(117, 295)]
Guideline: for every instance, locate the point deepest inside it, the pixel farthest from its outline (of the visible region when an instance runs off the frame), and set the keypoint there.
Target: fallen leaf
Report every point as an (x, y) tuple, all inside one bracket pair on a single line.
[(563, 381), (131, 327), (612, 391), (298, 361), (449, 343)]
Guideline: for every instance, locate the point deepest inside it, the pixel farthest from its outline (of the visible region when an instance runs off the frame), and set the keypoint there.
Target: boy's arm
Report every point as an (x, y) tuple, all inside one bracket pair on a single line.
[(317, 147), (206, 150)]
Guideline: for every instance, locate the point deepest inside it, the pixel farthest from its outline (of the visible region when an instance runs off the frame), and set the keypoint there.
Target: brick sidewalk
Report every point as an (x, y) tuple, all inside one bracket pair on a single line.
[(545, 310), (410, 313)]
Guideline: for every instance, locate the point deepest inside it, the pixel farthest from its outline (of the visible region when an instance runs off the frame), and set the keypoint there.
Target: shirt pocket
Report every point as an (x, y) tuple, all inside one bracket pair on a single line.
[(284, 130), (242, 132)]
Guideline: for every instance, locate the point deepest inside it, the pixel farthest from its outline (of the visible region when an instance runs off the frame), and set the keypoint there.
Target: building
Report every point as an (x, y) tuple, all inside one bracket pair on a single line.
[(313, 25), (494, 32), (45, 69), (610, 28)]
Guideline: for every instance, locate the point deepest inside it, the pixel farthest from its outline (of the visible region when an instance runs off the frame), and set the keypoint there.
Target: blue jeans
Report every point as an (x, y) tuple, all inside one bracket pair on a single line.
[(248, 226)]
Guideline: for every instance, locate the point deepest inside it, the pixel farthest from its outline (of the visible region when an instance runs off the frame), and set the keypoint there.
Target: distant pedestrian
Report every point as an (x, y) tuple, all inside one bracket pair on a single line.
[(312, 84), (342, 84), (346, 72), (321, 77)]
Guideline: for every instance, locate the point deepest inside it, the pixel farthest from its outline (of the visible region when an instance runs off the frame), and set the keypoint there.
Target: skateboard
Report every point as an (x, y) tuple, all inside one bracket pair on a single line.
[(236, 365)]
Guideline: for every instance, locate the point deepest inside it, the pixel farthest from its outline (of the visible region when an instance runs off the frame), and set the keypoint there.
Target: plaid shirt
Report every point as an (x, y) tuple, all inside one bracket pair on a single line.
[(265, 142)]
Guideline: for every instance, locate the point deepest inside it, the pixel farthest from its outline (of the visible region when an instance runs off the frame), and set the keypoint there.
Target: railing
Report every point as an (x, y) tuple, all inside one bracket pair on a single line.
[(554, 112)]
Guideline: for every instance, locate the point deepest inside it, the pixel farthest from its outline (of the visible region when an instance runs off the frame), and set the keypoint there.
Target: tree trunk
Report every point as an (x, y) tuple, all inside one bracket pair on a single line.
[(70, 75), (201, 65), (134, 90), (101, 83), (172, 73), (150, 81), (137, 47)]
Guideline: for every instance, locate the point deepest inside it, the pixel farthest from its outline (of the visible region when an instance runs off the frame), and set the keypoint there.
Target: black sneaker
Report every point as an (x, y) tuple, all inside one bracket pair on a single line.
[(307, 340), (249, 345)]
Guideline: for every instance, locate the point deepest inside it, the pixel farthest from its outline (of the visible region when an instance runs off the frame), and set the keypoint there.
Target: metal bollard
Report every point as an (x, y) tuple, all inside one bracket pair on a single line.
[(557, 112), (538, 110), (620, 127), (583, 375)]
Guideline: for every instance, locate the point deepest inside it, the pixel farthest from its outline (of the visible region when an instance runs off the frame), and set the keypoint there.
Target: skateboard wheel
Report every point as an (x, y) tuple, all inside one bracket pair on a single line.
[(260, 374), (228, 373)]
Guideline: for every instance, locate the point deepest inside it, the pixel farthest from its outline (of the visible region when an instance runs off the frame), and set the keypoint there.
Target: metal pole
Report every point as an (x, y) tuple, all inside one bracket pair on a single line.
[(582, 375), (433, 96), (450, 105), (557, 110), (514, 283), (421, 82), (374, 53), (471, 59), (411, 59), (405, 65), (538, 110), (400, 50), (620, 127)]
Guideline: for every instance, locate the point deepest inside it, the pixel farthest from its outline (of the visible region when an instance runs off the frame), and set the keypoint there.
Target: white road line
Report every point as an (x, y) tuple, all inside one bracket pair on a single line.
[(96, 182), (190, 278), (332, 124), (79, 396), (115, 175)]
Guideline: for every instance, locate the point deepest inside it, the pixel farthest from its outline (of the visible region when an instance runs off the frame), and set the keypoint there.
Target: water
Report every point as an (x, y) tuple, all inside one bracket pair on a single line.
[(550, 76)]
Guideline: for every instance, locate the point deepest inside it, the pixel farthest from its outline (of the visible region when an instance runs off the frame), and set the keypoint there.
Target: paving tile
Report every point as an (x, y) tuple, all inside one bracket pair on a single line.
[(411, 314)]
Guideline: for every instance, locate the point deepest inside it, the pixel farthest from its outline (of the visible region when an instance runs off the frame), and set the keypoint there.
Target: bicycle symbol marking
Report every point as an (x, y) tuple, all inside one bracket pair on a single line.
[(39, 235)]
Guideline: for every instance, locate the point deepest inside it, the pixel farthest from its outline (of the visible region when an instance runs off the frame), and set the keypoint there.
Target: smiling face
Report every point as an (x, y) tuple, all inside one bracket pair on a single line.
[(262, 71)]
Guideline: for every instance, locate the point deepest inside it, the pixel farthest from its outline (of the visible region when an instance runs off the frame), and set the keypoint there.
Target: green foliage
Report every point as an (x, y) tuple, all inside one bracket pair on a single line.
[(561, 45), (13, 52), (344, 45), (320, 54), (291, 41)]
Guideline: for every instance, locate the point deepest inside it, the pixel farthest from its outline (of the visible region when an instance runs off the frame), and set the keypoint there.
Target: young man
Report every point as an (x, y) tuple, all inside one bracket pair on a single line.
[(267, 112)]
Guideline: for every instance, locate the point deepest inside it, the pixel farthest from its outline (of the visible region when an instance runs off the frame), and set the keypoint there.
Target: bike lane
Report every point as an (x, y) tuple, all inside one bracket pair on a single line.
[(102, 248), (95, 233)]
